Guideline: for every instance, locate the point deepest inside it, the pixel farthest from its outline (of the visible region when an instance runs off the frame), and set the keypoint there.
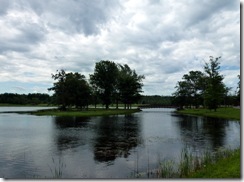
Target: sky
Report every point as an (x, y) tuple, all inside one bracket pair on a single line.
[(160, 39)]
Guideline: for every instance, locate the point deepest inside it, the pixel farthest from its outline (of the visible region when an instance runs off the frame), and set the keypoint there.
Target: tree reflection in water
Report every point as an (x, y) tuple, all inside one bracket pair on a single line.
[(202, 132), (68, 134), (117, 138), (109, 137)]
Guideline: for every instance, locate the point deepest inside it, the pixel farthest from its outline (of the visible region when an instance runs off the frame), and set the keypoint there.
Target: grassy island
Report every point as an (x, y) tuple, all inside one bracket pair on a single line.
[(84, 113)]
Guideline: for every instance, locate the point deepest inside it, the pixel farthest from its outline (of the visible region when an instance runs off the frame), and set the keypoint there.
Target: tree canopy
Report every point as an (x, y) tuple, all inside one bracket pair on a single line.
[(105, 79), (202, 88), (215, 88), (129, 85), (116, 82), (71, 89), (109, 83)]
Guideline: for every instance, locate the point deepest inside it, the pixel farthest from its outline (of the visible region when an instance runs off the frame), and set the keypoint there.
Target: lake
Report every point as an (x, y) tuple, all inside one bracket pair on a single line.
[(104, 147)]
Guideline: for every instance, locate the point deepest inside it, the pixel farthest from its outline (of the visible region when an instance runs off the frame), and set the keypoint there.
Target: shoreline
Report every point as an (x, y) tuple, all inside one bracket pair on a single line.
[(223, 113)]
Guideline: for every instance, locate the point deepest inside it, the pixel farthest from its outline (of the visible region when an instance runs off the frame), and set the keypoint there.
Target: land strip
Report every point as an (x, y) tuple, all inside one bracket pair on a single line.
[(224, 112), (85, 113)]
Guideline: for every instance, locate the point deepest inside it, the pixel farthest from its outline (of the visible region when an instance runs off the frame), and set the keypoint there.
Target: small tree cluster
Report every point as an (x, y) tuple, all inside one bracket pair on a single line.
[(116, 82), (202, 88), (109, 83)]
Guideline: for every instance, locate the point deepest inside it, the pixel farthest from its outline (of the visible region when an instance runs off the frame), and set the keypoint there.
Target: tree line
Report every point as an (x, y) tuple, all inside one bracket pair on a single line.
[(25, 99), (110, 83), (205, 88)]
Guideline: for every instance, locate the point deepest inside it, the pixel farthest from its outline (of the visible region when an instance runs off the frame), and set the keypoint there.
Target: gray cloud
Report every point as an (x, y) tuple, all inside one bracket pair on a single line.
[(160, 39), (4, 6), (75, 16)]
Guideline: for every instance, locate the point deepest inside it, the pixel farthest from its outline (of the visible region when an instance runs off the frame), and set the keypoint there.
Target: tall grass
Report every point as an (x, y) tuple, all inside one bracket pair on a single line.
[(190, 163), (57, 170), (187, 165), (167, 169)]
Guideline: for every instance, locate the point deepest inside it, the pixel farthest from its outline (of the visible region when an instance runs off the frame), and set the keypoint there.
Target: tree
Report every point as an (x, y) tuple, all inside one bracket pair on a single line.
[(195, 82), (215, 89), (105, 79), (182, 94), (189, 91), (71, 89), (129, 85)]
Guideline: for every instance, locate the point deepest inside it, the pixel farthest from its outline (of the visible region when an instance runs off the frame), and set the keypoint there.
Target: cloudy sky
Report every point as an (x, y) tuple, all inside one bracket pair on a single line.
[(161, 39)]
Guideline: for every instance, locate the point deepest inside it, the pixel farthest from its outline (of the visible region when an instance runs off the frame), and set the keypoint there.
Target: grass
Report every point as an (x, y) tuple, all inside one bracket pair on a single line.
[(227, 167), (225, 113), (224, 163), (85, 113)]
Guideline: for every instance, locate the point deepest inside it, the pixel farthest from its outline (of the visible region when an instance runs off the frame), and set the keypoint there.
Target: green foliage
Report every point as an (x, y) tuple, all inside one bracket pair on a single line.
[(129, 85), (70, 89), (215, 89), (23, 99), (114, 82), (207, 89), (189, 91), (105, 79)]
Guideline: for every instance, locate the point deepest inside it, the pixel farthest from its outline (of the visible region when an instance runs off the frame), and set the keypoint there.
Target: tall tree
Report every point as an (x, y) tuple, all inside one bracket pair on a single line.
[(195, 83), (182, 94), (105, 79), (129, 85), (215, 89), (71, 89), (189, 91)]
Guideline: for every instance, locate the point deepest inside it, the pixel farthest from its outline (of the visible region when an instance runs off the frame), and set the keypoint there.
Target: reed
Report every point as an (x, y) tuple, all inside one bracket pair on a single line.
[(167, 169), (190, 163), (57, 170)]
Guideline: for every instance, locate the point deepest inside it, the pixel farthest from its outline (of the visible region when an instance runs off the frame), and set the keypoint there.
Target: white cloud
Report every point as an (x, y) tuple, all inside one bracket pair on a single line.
[(161, 39)]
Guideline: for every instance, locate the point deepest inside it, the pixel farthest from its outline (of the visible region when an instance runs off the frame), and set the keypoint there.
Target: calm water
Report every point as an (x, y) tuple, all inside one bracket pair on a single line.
[(104, 147)]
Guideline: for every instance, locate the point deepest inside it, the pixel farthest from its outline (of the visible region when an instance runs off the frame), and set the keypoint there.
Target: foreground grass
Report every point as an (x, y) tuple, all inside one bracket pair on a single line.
[(225, 113), (224, 168), (85, 113)]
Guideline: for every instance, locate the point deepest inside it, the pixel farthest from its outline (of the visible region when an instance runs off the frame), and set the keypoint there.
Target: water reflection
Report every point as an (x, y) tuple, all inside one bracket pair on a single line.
[(71, 122), (109, 137), (116, 136), (202, 132), (68, 133), (104, 147)]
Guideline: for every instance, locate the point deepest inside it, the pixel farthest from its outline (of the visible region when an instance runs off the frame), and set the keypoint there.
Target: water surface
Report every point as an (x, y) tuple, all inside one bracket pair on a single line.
[(105, 147)]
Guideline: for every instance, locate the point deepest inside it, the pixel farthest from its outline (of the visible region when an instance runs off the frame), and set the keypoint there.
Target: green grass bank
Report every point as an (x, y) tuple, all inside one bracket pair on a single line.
[(225, 113), (85, 113), (229, 167)]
